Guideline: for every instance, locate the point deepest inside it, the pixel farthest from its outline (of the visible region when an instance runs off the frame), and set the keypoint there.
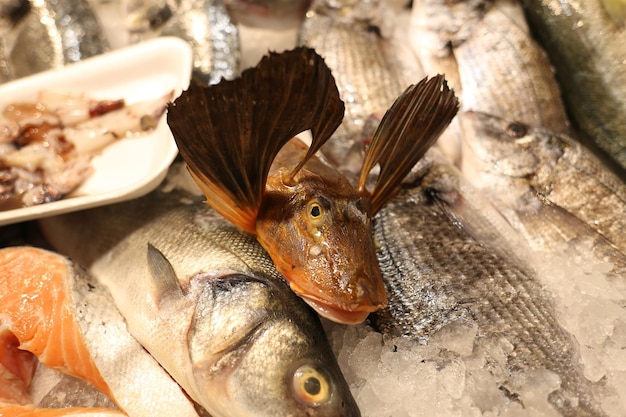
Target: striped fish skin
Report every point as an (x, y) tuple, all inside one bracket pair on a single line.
[(354, 38), (437, 274)]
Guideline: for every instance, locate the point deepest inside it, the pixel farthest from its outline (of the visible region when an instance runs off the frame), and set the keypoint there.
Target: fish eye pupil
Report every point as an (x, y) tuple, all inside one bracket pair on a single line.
[(315, 211), (516, 130), (312, 386)]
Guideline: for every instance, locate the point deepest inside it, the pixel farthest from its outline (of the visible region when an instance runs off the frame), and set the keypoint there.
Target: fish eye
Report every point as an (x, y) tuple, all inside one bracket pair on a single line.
[(310, 386), (315, 212), (516, 130)]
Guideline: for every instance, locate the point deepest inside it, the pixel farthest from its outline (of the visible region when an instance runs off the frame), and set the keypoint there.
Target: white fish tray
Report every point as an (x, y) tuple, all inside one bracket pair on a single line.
[(129, 167)]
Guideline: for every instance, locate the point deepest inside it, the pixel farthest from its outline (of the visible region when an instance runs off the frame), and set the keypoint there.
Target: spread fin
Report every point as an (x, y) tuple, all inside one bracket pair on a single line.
[(163, 275), (408, 129), (229, 133)]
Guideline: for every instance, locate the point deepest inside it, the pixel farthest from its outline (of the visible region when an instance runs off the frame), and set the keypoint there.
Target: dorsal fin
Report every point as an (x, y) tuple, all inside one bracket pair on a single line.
[(229, 133), (408, 129)]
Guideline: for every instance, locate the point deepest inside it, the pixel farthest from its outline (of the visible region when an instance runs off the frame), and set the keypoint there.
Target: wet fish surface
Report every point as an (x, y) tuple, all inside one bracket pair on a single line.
[(53, 34), (440, 273), (206, 301), (354, 38), (586, 48), (55, 310)]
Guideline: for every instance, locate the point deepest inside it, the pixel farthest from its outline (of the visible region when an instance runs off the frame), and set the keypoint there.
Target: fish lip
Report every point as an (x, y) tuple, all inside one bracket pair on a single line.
[(337, 315)]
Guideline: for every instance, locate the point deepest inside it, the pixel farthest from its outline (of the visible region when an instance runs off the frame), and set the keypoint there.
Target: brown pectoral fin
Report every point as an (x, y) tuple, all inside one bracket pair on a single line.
[(408, 129), (229, 133)]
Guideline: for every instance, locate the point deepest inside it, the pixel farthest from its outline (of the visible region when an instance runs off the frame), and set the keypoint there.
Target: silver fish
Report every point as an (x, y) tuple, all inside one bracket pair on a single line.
[(69, 321), (553, 190), (441, 274), (206, 301), (52, 34), (504, 72), (354, 38), (587, 50), (214, 38), (141, 16)]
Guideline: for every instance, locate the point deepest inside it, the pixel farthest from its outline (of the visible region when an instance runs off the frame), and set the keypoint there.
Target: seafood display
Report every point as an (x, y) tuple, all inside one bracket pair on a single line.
[(46, 145), (416, 209), (300, 208), (206, 301)]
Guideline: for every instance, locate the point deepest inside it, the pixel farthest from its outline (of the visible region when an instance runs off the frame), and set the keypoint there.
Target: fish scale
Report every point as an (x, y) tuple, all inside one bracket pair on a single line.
[(436, 274)]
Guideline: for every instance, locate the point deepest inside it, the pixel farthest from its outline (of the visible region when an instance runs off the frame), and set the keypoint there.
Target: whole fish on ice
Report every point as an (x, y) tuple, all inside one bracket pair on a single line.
[(314, 223), (447, 266), (53, 310), (206, 301)]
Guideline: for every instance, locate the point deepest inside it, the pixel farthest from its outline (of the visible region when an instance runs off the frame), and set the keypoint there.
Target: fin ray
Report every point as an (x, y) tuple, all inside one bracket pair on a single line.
[(408, 129)]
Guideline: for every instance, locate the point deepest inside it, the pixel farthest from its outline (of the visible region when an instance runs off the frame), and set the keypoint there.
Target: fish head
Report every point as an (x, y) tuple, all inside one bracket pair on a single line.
[(258, 350), (499, 146), (318, 233)]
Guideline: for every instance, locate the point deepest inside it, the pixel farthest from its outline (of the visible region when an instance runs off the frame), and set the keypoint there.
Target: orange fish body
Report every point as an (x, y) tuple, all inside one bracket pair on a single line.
[(315, 224), (319, 229)]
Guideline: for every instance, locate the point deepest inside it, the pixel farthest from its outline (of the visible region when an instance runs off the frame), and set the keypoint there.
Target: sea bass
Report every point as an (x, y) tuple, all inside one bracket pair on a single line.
[(553, 190), (355, 39), (314, 223), (445, 268), (587, 51), (206, 301), (52, 34), (55, 311)]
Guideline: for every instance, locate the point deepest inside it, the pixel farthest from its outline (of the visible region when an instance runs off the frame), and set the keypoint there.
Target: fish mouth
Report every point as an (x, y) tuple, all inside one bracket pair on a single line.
[(338, 315)]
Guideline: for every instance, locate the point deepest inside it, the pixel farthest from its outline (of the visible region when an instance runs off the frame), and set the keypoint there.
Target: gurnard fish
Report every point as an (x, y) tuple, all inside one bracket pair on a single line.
[(204, 24), (206, 301), (355, 38), (53, 34), (314, 223), (553, 190), (446, 265), (585, 42), (54, 311)]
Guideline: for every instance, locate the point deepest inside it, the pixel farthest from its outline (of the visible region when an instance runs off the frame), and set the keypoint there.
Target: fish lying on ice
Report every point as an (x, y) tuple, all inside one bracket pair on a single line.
[(309, 217), (447, 266), (553, 190), (54, 310), (53, 34), (204, 24), (587, 50), (206, 301), (355, 40)]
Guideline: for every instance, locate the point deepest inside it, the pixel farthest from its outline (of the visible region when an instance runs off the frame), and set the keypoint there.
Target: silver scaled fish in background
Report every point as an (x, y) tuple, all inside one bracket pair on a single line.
[(53, 34), (441, 274), (553, 190), (353, 37), (588, 52), (204, 24), (206, 301)]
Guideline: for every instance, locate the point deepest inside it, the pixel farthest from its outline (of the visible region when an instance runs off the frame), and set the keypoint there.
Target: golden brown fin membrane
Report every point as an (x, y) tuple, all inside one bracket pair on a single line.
[(408, 129), (229, 133)]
